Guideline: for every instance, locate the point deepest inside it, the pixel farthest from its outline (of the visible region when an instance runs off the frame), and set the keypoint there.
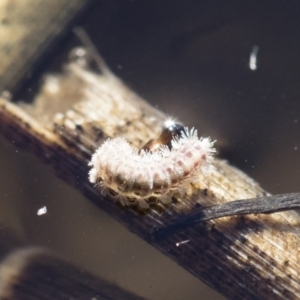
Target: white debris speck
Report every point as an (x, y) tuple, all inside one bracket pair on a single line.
[(183, 242), (42, 211), (253, 58)]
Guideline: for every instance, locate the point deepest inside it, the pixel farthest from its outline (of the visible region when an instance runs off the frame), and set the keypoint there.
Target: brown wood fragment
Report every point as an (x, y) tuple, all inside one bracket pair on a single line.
[(34, 273), (252, 257), (27, 29)]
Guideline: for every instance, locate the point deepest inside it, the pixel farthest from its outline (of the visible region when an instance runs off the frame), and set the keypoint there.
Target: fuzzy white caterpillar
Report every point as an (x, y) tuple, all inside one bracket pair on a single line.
[(135, 176)]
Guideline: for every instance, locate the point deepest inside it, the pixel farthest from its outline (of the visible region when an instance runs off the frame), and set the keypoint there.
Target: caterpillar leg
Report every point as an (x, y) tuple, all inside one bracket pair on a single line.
[(142, 203), (165, 199), (123, 200)]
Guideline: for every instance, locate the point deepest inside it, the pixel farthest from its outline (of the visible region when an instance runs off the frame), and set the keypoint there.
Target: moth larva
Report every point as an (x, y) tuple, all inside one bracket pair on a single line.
[(160, 169)]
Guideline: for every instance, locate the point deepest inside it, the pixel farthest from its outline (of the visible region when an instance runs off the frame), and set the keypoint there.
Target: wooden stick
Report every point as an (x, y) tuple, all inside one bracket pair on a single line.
[(252, 257)]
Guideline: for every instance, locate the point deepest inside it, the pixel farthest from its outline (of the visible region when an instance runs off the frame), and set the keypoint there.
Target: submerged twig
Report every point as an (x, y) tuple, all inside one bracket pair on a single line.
[(65, 125), (268, 204)]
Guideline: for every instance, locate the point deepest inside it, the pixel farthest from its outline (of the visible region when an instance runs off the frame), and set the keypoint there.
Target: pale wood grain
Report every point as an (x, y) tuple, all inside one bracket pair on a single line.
[(253, 257)]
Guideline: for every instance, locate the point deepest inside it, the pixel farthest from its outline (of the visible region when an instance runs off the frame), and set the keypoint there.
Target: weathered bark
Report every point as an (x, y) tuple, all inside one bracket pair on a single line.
[(28, 28), (252, 257)]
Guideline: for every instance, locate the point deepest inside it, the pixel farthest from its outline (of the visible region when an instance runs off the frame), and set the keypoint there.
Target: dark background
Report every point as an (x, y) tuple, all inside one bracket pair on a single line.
[(191, 60)]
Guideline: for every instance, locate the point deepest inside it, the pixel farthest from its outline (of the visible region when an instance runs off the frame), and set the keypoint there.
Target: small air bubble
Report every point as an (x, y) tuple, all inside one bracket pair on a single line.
[(80, 56)]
